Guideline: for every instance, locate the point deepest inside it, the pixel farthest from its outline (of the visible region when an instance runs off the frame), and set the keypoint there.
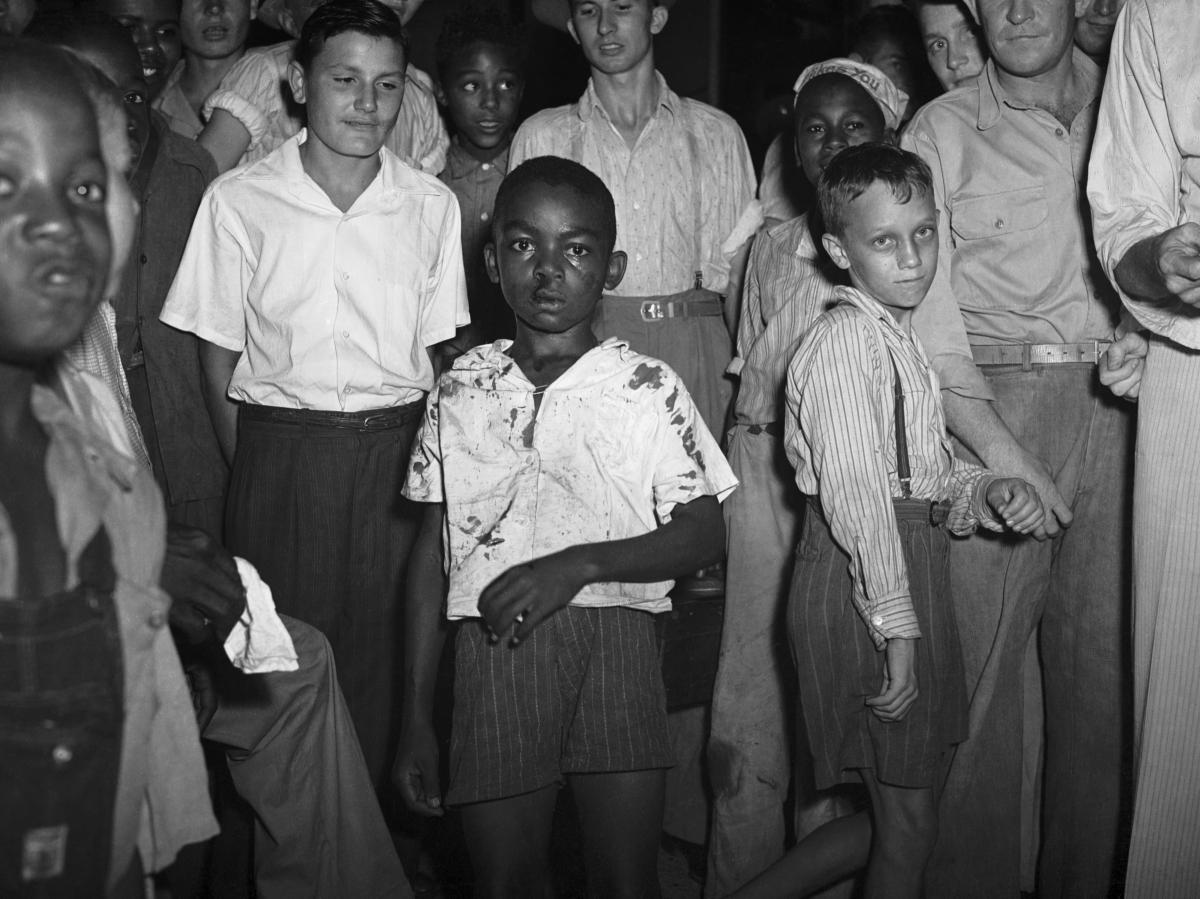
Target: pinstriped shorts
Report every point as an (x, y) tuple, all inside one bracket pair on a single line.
[(582, 694)]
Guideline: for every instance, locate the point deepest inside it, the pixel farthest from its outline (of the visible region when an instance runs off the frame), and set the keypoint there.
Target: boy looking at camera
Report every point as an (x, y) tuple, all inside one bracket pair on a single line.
[(567, 483)]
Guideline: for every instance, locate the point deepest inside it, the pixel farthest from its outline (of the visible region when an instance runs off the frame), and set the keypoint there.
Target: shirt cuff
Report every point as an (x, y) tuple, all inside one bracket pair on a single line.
[(893, 617), (735, 366), (241, 109)]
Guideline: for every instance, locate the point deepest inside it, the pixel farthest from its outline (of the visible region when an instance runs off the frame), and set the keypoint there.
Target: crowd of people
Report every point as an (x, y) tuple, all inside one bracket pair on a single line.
[(355, 432)]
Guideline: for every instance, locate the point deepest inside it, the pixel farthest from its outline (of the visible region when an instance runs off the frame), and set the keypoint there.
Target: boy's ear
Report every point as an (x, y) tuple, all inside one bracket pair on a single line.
[(857, 57), (295, 77), (833, 246), (658, 18), (439, 94), (253, 10), (489, 262), (617, 261), (571, 30)]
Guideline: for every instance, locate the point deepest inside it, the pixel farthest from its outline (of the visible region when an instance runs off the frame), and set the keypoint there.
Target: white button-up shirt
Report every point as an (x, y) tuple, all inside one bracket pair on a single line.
[(614, 447), (330, 310)]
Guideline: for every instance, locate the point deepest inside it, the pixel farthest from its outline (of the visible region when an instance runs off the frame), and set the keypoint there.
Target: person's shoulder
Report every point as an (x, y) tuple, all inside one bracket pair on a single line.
[(789, 234), (951, 108), (710, 119), (409, 178), (420, 80), (546, 125)]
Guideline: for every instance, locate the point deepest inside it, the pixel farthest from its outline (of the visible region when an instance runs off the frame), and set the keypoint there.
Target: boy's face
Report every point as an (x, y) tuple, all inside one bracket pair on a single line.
[(1094, 27), (215, 29), (887, 54), (889, 248), (549, 258), (154, 25), (351, 93), (121, 64), (54, 238), (615, 35), (832, 113), (952, 43), (15, 15), (482, 93)]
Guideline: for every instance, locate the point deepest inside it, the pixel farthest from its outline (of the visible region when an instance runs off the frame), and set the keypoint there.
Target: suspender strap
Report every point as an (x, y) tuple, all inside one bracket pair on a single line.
[(903, 472)]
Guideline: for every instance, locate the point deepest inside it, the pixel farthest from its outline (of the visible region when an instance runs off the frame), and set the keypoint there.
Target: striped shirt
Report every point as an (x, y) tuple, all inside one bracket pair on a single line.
[(653, 183), (253, 91), (788, 284), (840, 435)]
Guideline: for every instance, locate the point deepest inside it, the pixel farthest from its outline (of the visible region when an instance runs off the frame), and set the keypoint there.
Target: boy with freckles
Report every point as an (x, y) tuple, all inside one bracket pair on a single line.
[(566, 482)]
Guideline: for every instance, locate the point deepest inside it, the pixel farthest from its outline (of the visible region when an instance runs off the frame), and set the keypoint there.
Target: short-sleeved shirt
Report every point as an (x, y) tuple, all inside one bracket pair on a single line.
[(1016, 247), (614, 447), (840, 435), (255, 90), (162, 799), (788, 284), (330, 310), (654, 185)]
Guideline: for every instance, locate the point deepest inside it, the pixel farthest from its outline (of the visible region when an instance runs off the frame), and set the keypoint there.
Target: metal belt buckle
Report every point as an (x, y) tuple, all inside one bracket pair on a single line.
[(653, 311), (373, 419)]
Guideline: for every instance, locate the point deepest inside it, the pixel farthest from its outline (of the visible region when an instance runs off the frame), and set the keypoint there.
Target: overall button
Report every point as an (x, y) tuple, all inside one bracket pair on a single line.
[(61, 754)]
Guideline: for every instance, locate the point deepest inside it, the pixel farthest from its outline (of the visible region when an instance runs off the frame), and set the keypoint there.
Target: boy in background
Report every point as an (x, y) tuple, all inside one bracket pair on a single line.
[(480, 69), (567, 482), (154, 25), (882, 693), (789, 283), (321, 334)]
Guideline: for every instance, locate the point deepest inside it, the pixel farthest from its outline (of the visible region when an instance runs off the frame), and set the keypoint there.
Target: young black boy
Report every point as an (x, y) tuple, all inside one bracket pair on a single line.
[(320, 333), (870, 617), (103, 777), (481, 79), (567, 483)]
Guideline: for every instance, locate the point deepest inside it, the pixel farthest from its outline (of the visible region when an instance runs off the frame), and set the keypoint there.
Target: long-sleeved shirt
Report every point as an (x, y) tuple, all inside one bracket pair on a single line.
[(1145, 166), (840, 435), (788, 284), (1016, 263), (255, 92), (614, 447), (162, 799), (653, 185), (329, 310)]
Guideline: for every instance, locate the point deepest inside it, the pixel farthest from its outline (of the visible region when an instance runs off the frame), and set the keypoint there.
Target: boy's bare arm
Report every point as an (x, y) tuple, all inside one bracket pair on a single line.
[(216, 368), (225, 138), (526, 595), (415, 769)]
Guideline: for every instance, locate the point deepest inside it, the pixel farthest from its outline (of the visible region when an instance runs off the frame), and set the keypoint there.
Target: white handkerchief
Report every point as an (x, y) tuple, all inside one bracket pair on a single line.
[(259, 642)]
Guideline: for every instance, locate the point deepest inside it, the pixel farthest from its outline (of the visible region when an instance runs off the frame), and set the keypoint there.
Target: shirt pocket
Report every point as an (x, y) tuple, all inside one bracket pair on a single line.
[(1009, 259)]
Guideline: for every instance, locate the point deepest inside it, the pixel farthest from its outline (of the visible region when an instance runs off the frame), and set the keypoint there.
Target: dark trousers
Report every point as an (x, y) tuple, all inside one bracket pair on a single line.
[(317, 509)]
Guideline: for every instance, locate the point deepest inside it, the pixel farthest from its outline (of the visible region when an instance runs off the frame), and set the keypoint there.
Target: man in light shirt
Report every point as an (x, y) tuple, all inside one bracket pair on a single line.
[(320, 332), (1017, 270)]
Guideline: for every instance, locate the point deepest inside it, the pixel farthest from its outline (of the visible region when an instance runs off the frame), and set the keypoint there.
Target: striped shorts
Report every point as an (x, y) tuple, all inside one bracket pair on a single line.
[(582, 694), (839, 667)]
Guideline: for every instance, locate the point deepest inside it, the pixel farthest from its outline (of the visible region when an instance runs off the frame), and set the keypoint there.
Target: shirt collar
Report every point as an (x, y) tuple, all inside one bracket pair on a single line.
[(393, 179), (866, 303), (460, 163), (590, 101), (992, 97), (491, 364)]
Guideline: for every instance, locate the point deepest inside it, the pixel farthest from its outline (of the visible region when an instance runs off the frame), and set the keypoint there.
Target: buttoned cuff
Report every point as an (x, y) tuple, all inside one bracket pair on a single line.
[(735, 366), (893, 617), (241, 109)]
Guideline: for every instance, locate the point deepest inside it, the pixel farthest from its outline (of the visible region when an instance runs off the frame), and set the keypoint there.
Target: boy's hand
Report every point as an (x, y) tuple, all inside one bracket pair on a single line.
[(526, 595), (415, 771), (899, 681), (1017, 504), (202, 580), (1122, 366)]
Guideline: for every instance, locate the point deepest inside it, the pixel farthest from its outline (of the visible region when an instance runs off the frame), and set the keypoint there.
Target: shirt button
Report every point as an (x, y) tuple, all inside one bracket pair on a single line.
[(637, 205), (157, 619), (639, 257), (483, 216), (143, 259), (345, 276), (1000, 224), (1058, 131), (347, 389), (487, 166), (345, 333), (61, 754), (877, 621)]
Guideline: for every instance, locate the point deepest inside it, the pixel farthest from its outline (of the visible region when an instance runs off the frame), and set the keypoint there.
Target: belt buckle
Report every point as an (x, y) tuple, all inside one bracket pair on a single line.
[(374, 418), (653, 311)]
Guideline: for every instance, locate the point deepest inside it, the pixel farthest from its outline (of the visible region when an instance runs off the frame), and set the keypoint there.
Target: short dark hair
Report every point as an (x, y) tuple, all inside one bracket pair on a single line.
[(369, 17), (476, 24), (554, 171), (855, 169), (74, 27)]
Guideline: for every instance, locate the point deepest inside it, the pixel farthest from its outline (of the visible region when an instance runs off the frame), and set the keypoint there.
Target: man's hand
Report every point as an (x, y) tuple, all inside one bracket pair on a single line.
[(899, 681), (1177, 256), (526, 595), (1016, 503), (202, 580), (415, 771), (1123, 365)]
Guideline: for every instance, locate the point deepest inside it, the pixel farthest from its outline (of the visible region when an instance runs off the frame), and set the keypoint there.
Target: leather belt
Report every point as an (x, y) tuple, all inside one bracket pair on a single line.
[(1027, 355), (925, 510), (371, 420), (659, 310), (774, 428)]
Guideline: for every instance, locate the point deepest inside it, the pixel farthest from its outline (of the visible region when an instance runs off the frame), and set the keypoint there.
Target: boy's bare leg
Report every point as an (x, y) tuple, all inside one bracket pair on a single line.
[(621, 815), (905, 822), (833, 852), (509, 842)]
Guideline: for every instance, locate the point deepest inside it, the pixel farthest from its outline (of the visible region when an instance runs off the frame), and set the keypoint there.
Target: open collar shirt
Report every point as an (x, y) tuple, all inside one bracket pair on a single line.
[(162, 799), (614, 446), (788, 284), (1145, 167), (175, 108), (329, 310), (653, 185), (1016, 264), (840, 434)]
